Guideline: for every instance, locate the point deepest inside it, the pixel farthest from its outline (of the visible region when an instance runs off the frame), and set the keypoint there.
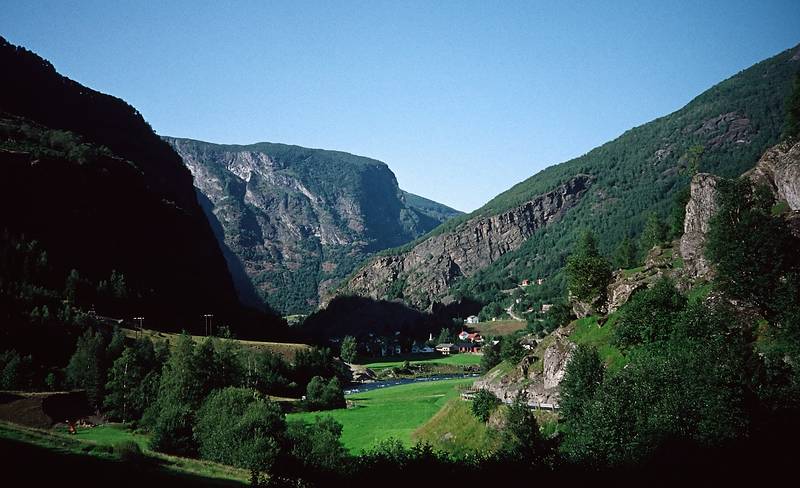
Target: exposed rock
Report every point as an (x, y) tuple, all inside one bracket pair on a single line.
[(297, 220), (701, 207), (660, 262), (779, 169), (730, 127), (424, 274), (539, 379)]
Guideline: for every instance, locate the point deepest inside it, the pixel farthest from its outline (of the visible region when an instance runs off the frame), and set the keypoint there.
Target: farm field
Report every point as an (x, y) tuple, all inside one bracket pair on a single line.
[(467, 359), (393, 412), (285, 349), (498, 327)]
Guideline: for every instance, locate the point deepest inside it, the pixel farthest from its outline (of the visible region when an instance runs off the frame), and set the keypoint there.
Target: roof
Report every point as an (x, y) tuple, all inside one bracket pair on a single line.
[(444, 344)]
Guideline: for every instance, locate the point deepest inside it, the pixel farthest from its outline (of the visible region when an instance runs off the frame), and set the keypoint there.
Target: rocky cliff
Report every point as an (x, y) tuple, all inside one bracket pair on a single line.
[(538, 375), (294, 220), (778, 169), (423, 275)]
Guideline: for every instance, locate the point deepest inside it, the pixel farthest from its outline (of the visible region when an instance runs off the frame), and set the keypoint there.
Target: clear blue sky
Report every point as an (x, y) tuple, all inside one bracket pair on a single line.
[(461, 99)]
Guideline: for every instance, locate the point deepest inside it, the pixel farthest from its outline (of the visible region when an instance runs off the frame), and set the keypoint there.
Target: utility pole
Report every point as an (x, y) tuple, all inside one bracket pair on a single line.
[(209, 323), (141, 326)]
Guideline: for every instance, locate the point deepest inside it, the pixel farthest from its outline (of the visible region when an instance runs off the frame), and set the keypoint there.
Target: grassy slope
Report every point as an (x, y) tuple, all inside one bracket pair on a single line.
[(94, 448), (587, 331), (499, 327), (393, 412), (456, 430), (455, 360), (285, 349)]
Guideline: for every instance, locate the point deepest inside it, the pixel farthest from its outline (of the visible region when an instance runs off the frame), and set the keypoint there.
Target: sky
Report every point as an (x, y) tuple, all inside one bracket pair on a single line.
[(461, 99)]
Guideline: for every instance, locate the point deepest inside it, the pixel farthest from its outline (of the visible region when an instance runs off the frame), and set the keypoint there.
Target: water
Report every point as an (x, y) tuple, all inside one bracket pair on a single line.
[(365, 387)]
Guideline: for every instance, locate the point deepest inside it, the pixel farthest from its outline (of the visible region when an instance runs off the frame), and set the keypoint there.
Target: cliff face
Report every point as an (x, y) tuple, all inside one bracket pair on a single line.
[(294, 220), (778, 169), (424, 274)]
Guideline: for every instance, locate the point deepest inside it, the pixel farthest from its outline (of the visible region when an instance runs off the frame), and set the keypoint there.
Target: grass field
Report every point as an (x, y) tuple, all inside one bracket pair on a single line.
[(498, 327), (393, 412), (285, 349), (95, 447), (468, 359)]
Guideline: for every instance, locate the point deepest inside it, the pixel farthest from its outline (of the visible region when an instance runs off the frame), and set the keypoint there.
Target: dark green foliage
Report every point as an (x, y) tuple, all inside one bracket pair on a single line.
[(511, 349), (16, 372), (654, 233), (649, 315), (349, 349), (237, 427), (583, 377), (588, 273), (266, 372), (491, 355), (85, 369), (678, 213), (324, 395), (791, 128), (521, 438), (173, 430), (484, 403), (317, 446), (627, 255), (133, 381), (751, 248)]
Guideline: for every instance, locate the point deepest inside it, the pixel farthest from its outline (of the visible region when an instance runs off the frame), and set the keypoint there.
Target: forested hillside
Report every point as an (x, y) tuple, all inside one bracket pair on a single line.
[(635, 177)]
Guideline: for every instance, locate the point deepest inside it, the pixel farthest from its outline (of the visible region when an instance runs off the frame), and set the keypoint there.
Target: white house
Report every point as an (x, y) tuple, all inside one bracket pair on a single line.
[(472, 319)]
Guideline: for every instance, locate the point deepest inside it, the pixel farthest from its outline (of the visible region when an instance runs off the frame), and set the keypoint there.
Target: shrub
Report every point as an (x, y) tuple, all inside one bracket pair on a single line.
[(484, 403), (129, 452)]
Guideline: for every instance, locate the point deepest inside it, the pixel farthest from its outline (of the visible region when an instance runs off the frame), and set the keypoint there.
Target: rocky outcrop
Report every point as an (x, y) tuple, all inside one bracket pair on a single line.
[(423, 275), (297, 220), (538, 375), (699, 211), (660, 262), (778, 169)]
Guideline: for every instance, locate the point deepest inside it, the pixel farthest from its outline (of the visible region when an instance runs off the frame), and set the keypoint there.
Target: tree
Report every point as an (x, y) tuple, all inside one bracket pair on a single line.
[(349, 349), (85, 368), (694, 157), (678, 213), (491, 356), (791, 128), (584, 375), (511, 349), (751, 249), (236, 426), (131, 381), (588, 273), (72, 286), (16, 372), (317, 447), (521, 438), (444, 337), (483, 404), (654, 233), (324, 395), (649, 315), (627, 254)]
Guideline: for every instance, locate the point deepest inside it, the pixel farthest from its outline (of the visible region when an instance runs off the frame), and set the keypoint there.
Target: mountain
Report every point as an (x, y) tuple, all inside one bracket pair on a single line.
[(293, 221), (639, 173), (85, 177)]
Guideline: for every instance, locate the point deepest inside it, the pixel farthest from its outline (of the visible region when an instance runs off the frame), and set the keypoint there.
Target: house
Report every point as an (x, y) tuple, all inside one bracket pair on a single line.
[(467, 346), (475, 337), (525, 283), (540, 281), (546, 307), (472, 319), (421, 348), (446, 348), (463, 335)]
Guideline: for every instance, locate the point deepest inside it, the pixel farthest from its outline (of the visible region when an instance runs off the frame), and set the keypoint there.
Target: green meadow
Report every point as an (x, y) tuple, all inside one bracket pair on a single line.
[(392, 412), (452, 360)]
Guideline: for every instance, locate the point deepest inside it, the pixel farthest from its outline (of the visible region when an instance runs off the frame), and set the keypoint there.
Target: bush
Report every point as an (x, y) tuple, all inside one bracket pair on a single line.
[(484, 403), (324, 396), (129, 451)]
